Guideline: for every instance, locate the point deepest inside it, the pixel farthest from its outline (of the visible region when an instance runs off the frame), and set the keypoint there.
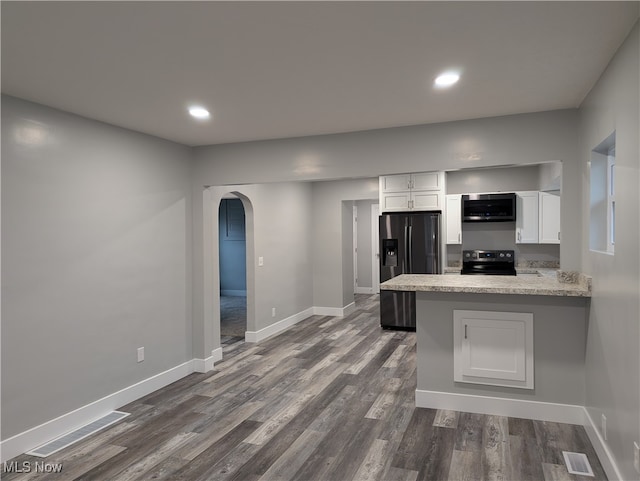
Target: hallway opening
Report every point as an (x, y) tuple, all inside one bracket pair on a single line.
[(233, 269)]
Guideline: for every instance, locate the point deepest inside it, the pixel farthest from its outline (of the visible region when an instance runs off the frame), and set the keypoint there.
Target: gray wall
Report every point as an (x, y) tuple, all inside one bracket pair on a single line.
[(613, 344), (504, 179), (96, 256), (333, 238), (559, 334), (278, 229)]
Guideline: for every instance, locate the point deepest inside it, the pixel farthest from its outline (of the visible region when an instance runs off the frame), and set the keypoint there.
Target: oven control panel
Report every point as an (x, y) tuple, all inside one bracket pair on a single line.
[(488, 256), (488, 262)]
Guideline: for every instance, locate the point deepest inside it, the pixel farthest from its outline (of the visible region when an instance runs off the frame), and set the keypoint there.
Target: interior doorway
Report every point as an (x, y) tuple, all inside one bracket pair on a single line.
[(232, 247), (365, 246)]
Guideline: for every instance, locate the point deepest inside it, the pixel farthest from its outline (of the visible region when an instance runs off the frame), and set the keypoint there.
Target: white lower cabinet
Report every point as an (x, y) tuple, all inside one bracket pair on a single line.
[(493, 348)]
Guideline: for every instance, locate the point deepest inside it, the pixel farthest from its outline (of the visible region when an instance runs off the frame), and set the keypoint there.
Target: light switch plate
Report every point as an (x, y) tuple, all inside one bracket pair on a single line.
[(140, 354), (636, 456), (260, 261)]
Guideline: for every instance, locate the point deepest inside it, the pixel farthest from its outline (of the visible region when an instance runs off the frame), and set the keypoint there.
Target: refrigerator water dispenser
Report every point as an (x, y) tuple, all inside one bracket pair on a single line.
[(389, 252)]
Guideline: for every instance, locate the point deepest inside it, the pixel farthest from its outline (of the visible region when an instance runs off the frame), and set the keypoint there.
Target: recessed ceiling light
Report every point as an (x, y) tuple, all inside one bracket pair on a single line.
[(446, 79), (199, 112)]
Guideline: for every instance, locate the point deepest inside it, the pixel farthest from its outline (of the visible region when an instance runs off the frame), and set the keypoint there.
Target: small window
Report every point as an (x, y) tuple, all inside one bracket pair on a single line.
[(602, 220)]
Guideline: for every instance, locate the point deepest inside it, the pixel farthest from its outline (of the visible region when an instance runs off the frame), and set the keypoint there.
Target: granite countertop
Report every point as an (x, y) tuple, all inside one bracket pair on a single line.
[(536, 282)]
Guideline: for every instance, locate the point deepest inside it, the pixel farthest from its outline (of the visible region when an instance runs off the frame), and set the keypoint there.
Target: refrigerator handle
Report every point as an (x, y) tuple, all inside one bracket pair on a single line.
[(405, 261), (410, 250)]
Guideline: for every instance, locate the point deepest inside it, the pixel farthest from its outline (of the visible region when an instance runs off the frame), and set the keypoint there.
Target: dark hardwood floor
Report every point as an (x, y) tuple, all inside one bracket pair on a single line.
[(329, 399)]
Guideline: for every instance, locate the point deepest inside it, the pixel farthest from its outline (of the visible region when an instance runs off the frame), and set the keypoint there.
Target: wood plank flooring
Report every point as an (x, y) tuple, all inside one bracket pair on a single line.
[(331, 399)]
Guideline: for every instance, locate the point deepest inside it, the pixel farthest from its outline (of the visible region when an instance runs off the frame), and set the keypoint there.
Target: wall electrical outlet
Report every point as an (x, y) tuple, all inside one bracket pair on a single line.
[(273, 312), (604, 427), (140, 354), (636, 456)]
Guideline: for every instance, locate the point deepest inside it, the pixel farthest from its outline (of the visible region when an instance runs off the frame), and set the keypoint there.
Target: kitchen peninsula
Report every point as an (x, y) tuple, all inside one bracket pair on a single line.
[(505, 345)]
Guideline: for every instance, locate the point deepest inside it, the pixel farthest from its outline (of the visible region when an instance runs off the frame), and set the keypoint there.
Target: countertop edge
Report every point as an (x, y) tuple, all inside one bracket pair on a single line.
[(489, 290), (562, 284)]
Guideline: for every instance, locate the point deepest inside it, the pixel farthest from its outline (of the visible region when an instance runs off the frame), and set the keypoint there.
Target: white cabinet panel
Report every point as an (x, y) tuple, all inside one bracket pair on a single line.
[(549, 218), (493, 348), (527, 217), (422, 200), (426, 181), (453, 214), (395, 201), (395, 183)]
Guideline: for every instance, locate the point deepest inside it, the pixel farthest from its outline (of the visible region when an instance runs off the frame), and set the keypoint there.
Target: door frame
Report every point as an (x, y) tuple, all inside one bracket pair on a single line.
[(375, 248)]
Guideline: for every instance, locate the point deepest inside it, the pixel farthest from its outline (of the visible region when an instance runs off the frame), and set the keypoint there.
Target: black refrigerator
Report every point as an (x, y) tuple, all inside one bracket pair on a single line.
[(409, 244)]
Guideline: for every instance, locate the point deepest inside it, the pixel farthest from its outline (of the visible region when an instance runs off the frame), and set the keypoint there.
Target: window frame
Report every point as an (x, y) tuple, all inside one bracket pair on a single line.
[(611, 199)]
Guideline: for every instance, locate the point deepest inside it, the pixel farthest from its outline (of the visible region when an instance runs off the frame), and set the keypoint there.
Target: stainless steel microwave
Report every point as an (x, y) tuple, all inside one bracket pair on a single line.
[(489, 207)]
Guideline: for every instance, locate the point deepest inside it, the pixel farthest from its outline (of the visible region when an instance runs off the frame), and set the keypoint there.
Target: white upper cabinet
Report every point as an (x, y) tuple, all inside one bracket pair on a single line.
[(425, 200), (453, 215), (406, 192), (394, 201), (527, 217), (395, 183), (427, 181), (549, 218)]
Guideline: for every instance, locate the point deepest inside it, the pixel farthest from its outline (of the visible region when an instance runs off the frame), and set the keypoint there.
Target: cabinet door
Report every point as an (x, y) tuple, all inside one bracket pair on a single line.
[(425, 200), (527, 217), (453, 214), (426, 181), (395, 201), (493, 348), (549, 218), (395, 183)]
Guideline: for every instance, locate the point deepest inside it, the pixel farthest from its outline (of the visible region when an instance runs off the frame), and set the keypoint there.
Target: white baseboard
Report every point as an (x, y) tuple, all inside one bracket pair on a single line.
[(517, 408), (278, 327), (216, 354), (334, 311), (284, 324), (364, 290), (233, 293), (602, 450), (206, 365), (38, 435)]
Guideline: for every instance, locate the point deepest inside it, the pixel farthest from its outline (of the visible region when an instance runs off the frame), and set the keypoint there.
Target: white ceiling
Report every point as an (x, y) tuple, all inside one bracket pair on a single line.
[(286, 69)]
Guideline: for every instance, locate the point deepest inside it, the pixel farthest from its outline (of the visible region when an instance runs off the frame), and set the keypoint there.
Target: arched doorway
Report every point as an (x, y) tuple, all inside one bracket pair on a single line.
[(232, 254)]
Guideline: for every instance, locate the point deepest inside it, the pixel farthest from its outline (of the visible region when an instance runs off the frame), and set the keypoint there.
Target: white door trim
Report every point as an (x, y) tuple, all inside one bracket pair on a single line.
[(375, 249)]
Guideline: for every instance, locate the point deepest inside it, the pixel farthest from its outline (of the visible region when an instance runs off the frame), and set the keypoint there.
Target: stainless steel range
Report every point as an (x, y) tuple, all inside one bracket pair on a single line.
[(499, 263)]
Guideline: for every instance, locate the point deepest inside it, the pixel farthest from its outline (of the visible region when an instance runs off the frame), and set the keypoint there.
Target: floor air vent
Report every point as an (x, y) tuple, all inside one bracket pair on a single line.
[(75, 436), (577, 463)]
